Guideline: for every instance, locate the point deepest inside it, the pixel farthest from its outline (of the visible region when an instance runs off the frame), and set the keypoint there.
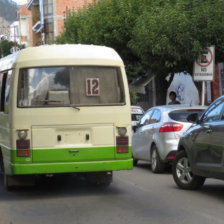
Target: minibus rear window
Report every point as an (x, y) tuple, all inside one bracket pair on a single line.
[(70, 86)]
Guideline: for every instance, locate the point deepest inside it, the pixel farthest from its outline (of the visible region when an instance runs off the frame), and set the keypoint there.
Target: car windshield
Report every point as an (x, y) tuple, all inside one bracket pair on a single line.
[(71, 85), (181, 115)]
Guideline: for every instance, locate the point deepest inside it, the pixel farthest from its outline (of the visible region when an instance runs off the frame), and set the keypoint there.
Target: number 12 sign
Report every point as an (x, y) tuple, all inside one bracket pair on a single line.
[(92, 87)]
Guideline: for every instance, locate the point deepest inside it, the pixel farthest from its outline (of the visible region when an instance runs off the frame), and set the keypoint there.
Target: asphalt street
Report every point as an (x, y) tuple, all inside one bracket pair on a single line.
[(136, 196)]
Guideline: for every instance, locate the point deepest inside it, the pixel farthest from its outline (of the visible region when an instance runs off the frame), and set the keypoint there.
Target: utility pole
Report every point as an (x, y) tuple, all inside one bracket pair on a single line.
[(15, 47), (37, 40), (154, 91)]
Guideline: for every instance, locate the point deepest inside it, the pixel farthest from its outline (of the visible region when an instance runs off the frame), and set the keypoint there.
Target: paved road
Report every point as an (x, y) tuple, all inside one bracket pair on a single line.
[(136, 197)]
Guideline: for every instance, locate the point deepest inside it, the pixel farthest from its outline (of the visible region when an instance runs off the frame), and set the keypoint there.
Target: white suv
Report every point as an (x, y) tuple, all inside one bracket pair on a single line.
[(157, 136)]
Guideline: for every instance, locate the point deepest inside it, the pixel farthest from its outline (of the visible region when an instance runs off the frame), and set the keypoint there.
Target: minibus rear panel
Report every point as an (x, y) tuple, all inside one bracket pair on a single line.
[(70, 101)]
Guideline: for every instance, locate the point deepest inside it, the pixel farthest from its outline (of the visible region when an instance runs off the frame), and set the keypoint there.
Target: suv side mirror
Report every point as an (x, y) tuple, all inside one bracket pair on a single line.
[(193, 118), (139, 125)]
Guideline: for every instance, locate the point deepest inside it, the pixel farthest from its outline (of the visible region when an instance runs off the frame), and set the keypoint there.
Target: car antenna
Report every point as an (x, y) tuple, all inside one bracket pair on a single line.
[(190, 104)]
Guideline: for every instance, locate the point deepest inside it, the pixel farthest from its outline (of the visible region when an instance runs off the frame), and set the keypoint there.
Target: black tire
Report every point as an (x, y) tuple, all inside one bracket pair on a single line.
[(6, 178), (7, 182), (100, 179), (135, 162), (182, 174), (157, 165), (1, 162)]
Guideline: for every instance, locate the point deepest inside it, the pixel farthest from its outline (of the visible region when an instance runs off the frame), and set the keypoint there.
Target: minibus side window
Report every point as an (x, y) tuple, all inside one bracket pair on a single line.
[(7, 91), (3, 77), (1, 81)]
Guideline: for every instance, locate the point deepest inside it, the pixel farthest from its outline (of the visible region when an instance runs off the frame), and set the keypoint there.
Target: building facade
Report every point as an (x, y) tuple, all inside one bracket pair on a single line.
[(53, 14), (25, 25), (56, 12)]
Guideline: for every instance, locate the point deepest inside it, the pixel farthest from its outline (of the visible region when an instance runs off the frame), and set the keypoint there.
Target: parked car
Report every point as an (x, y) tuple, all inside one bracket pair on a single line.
[(136, 114), (158, 134), (201, 149)]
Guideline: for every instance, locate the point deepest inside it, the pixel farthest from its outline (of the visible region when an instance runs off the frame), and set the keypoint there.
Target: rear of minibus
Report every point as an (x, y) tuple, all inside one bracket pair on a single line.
[(71, 111)]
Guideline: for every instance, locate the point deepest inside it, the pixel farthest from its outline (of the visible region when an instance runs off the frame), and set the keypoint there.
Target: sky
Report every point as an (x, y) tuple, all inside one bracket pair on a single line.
[(20, 2)]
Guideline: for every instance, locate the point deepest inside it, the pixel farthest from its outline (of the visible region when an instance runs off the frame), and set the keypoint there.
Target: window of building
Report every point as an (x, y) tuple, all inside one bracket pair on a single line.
[(48, 21)]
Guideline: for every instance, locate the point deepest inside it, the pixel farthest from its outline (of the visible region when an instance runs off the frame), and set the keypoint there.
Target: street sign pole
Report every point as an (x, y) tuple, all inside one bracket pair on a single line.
[(203, 94), (14, 29)]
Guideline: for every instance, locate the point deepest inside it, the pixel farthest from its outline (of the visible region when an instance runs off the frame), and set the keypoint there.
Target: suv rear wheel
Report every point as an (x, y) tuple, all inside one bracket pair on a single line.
[(157, 165), (135, 162), (182, 174)]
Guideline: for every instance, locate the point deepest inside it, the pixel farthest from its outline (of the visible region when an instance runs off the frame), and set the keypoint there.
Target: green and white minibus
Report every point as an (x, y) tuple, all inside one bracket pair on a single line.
[(64, 109)]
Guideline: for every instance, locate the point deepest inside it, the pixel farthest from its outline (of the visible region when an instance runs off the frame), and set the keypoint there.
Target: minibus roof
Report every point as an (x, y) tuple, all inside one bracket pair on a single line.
[(59, 55), (9, 61)]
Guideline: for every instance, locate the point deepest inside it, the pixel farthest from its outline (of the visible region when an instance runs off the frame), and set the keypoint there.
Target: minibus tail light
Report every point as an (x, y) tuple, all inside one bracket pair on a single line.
[(22, 148), (122, 144)]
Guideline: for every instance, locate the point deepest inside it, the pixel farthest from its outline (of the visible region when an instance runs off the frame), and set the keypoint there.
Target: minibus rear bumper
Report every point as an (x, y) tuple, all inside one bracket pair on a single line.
[(71, 167)]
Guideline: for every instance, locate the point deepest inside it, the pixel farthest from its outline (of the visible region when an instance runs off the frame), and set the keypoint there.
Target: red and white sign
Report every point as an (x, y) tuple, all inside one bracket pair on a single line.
[(136, 111), (204, 67)]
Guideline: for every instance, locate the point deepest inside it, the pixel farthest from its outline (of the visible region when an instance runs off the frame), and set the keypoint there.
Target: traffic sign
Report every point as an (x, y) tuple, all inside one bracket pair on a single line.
[(204, 66)]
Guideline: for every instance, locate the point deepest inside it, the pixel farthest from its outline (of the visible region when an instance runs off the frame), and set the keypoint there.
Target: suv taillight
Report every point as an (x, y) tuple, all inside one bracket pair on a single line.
[(22, 148), (122, 144), (171, 127)]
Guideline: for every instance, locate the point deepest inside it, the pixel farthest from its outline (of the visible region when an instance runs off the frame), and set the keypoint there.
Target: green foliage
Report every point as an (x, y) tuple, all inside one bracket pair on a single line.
[(133, 97), (159, 36), (109, 23), (5, 47), (170, 35)]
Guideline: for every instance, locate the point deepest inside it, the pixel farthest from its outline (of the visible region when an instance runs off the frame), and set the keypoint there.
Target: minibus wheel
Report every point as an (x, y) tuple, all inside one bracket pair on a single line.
[(1, 162), (12, 182), (8, 182), (102, 179)]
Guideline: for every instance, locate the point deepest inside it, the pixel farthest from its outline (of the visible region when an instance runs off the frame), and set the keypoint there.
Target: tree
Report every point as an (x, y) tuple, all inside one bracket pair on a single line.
[(170, 34), (5, 47), (109, 23), (154, 37)]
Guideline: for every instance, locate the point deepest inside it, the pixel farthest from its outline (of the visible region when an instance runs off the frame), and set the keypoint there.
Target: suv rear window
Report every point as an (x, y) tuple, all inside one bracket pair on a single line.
[(181, 115)]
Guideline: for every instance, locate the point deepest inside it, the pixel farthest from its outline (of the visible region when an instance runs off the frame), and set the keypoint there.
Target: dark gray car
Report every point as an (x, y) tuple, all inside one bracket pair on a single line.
[(201, 149)]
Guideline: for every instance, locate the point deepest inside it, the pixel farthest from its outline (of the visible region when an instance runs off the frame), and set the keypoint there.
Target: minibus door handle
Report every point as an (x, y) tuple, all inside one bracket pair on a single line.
[(59, 138), (74, 150)]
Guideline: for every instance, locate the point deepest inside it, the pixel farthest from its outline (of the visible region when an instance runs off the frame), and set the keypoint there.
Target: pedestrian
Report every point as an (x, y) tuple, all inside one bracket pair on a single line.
[(172, 97)]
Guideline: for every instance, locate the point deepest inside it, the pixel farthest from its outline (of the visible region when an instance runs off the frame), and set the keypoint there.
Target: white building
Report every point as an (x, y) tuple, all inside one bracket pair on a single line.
[(14, 32)]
